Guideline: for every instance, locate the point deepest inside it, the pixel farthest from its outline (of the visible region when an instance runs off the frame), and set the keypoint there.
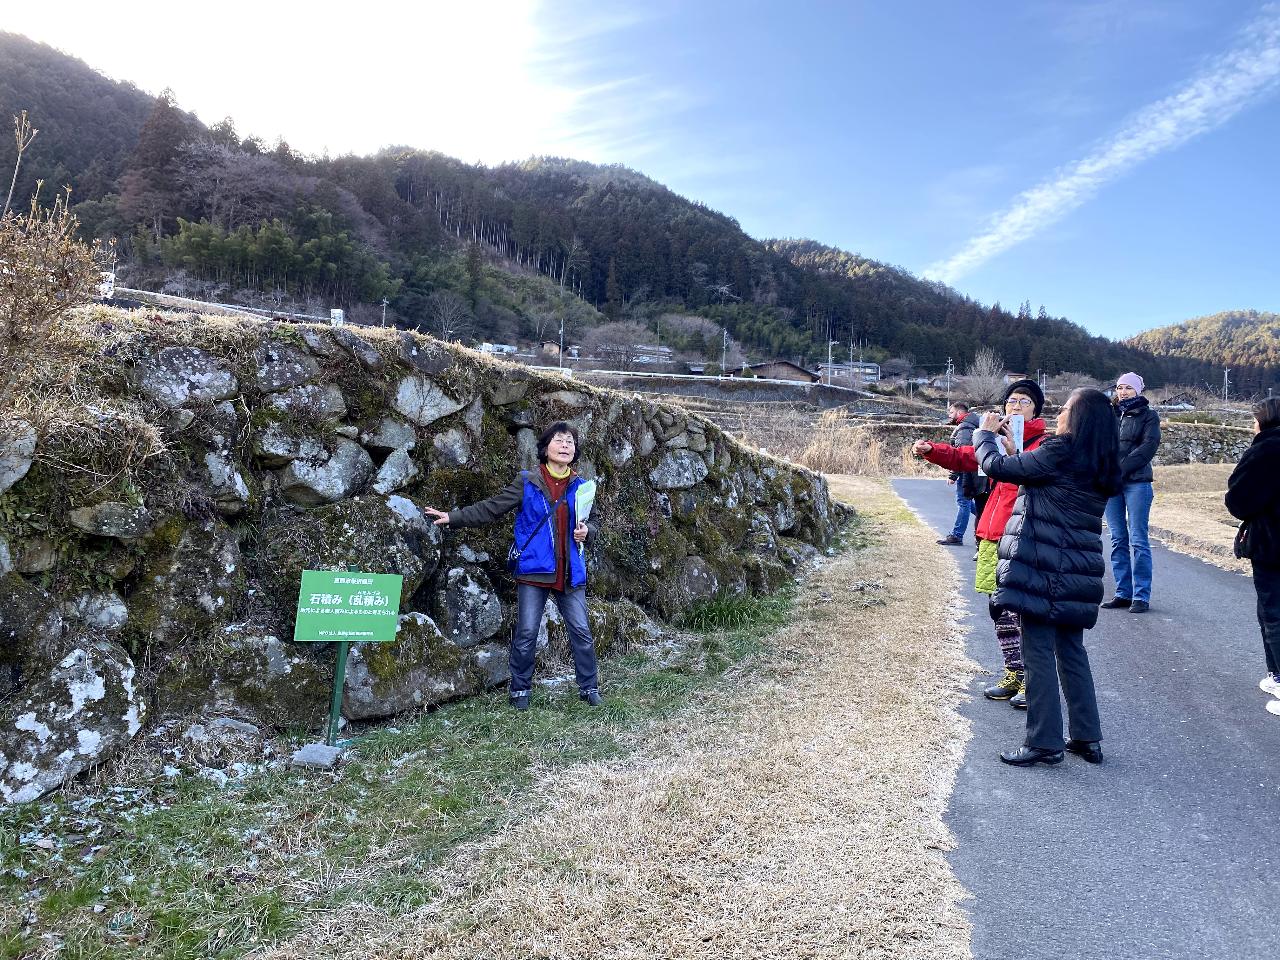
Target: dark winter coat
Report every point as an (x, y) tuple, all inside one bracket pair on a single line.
[(529, 492), (1050, 563), (1253, 495), (1139, 439), (971, 484)]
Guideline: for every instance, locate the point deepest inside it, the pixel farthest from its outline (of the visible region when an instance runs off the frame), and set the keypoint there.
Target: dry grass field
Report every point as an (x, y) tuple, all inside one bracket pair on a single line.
[(1188, 514)]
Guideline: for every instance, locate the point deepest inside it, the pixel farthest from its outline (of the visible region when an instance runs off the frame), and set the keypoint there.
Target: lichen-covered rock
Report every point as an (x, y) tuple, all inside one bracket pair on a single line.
[(230, 493), (247, 674), (421, 668), (426, 356), (567, 398), (344, 471), (465, 606), (121, 521), (6, 558), (221, 741), (512, 388), (279, 366), (616, 625), (191, 584), (474, 417), (422, 401), (396, 472), (36, 555), (695, 581), (366, 354), (17, 453), (527, 449), (274, 446), (31, 627), (105, 613), (373, 534), (312, 401), (176, 376), (678, 470), (452, 447), (391, 433), (84, 710)]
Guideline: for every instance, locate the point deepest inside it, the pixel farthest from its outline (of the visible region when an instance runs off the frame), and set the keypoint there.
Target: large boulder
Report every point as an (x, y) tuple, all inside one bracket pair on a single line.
[(312, 401), (176, 376), (248, 674), (396, 472), (422, 401), (17, 453), (227, 487), (191, 584), (344, 470), (31, 630), (465, 606), (420, 668), (365, 353), (678, 470), (121, 521), (84, 710), (279, 366), (372, 534)]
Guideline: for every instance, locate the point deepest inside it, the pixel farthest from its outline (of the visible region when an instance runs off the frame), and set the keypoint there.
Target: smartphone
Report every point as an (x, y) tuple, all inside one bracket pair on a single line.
[(1017, 430)]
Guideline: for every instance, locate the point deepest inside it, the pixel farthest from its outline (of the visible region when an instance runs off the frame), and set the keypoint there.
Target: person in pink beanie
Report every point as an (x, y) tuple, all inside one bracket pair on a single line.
[(1129, 510)]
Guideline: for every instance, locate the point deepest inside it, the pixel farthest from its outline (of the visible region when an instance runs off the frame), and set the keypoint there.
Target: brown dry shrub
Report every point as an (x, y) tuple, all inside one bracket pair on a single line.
[(831, 443)]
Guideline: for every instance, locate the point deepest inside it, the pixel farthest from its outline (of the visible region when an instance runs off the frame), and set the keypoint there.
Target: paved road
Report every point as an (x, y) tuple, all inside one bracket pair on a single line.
[(1170, 848)]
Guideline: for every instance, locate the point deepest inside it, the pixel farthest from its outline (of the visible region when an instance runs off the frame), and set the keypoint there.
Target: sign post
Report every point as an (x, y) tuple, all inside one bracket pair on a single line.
[(341, 606)]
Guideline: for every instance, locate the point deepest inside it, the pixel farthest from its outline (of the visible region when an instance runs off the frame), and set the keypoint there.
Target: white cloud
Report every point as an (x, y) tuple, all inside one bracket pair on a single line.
[(1214, 96)]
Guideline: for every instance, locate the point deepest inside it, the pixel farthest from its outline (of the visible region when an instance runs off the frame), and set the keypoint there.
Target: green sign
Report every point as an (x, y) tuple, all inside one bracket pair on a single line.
[(334, 605)]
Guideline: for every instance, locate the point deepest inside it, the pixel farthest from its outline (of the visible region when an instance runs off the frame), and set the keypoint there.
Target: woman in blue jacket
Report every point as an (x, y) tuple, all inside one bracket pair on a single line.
[(550, 539)]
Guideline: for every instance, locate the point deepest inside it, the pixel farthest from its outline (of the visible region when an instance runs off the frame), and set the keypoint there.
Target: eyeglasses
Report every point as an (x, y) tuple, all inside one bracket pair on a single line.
[(1020, 402)]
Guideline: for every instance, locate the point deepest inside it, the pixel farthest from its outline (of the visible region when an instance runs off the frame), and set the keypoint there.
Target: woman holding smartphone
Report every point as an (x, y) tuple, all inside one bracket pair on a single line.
[(1051, 567)]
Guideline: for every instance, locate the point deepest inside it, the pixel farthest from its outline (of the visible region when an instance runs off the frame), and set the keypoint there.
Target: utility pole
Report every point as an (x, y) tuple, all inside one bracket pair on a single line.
[(830, 344), (384, 311), (560, 356), (1226, 383), (724, 349), (950, 367)]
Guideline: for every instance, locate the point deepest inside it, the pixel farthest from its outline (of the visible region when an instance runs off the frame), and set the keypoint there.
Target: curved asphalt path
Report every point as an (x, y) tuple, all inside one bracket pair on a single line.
[(1171, 847)]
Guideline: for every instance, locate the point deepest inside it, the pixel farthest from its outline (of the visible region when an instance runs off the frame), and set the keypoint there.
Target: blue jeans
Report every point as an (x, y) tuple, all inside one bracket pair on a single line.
[(963, 515), (572, 604), (1127, 514)]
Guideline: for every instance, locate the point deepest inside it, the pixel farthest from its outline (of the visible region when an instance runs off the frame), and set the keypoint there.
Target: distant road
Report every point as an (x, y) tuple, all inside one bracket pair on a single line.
[(1166, 850)]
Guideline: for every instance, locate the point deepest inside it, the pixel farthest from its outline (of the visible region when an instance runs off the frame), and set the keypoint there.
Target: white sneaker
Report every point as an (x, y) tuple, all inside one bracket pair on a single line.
[(1269, 684), (1274, 707)]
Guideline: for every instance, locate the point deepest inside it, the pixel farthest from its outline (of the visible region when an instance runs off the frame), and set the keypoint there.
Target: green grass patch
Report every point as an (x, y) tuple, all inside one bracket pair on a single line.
[(182, 869)]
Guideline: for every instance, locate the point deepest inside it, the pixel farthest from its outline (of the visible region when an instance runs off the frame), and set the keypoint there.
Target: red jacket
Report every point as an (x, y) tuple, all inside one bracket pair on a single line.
[(1000, 503)]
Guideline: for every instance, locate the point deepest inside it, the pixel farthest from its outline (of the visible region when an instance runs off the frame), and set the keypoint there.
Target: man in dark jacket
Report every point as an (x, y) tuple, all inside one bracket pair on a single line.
[(1129, 510), (966, 484), (1253, 495)]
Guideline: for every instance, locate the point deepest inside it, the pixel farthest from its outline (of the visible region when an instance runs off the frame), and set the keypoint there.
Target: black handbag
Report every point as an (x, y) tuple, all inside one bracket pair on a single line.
[(514, 555), (1242, 545)]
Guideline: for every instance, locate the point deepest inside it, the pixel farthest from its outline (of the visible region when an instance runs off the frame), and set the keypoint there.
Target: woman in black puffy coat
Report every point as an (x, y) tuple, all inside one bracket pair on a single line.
[(1254, 497), (1051, 566)]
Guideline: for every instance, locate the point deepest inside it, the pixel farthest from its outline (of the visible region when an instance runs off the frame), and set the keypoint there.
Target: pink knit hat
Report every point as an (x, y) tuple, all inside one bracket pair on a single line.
[(1130, 380)]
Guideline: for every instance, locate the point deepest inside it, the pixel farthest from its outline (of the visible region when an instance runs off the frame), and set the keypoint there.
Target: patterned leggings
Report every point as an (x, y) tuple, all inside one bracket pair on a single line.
[(1009, 633)]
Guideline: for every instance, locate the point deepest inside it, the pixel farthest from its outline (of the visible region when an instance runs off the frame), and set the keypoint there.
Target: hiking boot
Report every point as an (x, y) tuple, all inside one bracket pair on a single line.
[(1116, 603), (1009, 686), (591, 698), (519, 701), (1270, 684), (950, 540), (1019, 700)]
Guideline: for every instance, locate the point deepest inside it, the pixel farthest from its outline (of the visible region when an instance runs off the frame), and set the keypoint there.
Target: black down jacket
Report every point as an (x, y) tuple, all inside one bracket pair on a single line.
[(1139, 440), (1253, 495), (971, 485), (1050, 557)]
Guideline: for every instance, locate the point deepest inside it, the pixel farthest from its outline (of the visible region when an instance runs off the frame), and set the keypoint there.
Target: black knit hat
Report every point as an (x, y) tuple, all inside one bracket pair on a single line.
[(1031, 389)]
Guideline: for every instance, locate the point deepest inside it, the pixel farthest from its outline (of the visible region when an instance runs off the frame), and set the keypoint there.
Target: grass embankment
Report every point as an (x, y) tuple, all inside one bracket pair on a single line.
[(1189, 516)]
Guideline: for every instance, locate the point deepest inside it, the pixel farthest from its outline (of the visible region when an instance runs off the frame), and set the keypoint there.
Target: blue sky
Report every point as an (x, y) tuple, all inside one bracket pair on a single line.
[(1113, 160)]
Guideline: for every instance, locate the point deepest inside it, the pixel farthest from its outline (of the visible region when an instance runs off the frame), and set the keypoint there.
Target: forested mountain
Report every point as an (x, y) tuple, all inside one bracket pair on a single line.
[(497, 252), (1246, 341)]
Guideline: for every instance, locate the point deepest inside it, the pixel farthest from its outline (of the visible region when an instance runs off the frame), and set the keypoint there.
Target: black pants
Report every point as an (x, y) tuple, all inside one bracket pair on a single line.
[(1266, 580), (1054, 654)]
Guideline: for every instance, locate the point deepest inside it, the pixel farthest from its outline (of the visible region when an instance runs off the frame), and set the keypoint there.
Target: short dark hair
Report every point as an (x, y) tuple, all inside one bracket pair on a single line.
[(548, 435), (959, 405), (1267, 413)]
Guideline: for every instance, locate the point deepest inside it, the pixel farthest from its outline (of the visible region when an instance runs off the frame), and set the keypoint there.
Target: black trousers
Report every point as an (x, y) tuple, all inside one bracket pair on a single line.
[(1266, 580), (1055, 654)]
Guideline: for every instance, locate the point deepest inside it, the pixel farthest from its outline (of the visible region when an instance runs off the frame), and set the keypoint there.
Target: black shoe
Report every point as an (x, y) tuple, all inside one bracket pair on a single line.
[(1117, 602), (1089, 750), (1019, 700), (1029, 756), (591, 698), (1139, 606), (950, 540), (519, 702), (1008, 687)]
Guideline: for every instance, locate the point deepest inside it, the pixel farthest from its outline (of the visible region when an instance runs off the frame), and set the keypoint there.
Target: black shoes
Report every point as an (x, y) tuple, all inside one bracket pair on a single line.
[(1030, 756), (1139, 606), (591, 698), (1019, 700), (1116, 603), (950, 540), (1009, 686), (519, 701), (1090, 751)]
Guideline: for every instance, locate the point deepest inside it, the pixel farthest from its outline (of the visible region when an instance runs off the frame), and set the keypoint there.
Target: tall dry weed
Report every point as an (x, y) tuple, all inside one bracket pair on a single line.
[(831, 443)]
